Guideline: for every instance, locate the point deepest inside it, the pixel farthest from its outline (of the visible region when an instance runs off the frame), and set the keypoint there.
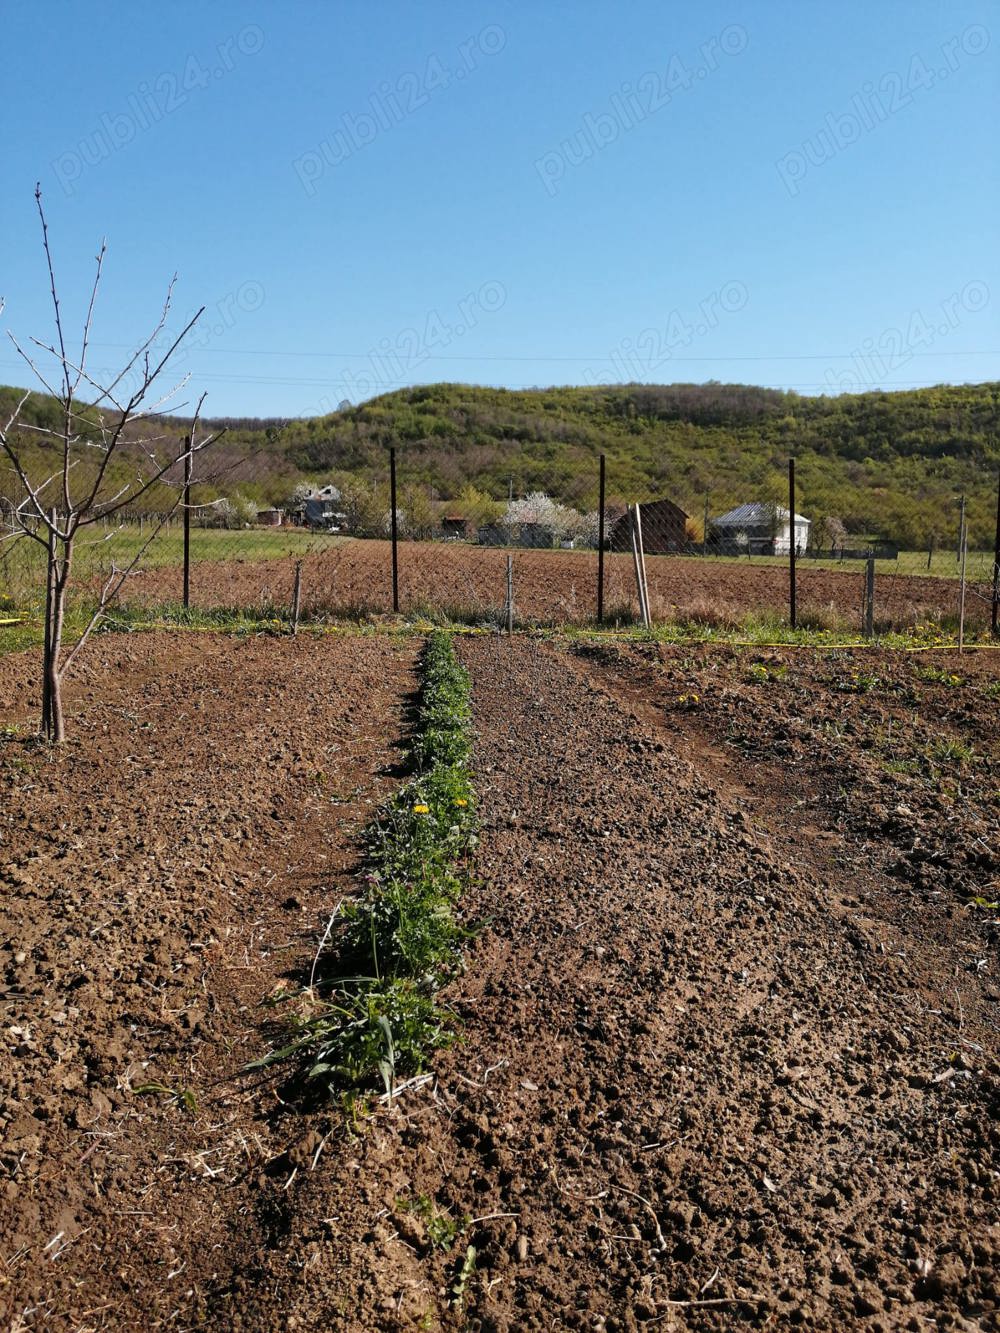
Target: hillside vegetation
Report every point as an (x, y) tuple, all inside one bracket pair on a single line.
[(890, 464)]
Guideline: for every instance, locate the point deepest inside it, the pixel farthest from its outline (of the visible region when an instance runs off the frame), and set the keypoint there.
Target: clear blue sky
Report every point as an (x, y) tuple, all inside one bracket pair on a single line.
[(530, 193)]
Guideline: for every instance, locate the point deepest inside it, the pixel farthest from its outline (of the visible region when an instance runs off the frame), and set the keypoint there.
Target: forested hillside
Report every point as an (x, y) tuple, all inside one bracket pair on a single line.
[(887, 463)]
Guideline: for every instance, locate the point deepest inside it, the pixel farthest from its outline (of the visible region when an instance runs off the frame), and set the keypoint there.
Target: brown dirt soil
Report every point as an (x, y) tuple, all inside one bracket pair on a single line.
[(553, 587), (712, 1054), (161, 873), (729, 1029)]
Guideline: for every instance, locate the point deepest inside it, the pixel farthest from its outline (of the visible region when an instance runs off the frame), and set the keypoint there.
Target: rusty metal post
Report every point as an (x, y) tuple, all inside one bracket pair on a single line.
[(791, 542), (394, 524), (510, 594), (995, 610), (600, 547)]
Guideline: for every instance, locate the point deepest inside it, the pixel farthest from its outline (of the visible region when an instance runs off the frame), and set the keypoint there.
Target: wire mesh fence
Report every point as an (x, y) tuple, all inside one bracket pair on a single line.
[(876, 560)]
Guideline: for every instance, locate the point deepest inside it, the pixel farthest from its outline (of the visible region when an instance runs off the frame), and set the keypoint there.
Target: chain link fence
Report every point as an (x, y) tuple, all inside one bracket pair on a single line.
[(872, 559)]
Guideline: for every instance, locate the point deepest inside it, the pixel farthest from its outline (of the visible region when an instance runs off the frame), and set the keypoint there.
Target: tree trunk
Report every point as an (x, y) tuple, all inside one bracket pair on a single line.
[(53, 725), (50, 579)]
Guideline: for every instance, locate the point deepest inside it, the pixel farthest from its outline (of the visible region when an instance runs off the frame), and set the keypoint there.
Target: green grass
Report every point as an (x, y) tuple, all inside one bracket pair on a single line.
[(377, 1014), (22, 565)]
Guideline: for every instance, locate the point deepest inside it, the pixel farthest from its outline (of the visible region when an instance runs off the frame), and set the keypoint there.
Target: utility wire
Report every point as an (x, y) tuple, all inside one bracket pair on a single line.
[(602, 356)]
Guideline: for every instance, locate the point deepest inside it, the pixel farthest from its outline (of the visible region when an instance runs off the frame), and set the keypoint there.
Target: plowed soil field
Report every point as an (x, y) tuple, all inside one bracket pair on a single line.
[(729, 1021), (554, 587)]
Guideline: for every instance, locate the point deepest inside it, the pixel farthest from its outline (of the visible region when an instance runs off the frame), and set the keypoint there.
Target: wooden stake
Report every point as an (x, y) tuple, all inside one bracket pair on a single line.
[(643, 605), (642, 562), (510, 594)]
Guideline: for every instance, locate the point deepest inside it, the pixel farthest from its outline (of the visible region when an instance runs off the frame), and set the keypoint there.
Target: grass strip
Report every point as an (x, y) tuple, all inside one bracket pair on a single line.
[(377, 1015)]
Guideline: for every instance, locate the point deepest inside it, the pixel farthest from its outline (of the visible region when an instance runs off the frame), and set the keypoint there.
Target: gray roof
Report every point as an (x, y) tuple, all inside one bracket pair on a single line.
[(753, 515)]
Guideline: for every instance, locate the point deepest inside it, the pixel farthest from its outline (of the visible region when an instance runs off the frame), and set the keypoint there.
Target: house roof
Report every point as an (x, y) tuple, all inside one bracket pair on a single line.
[(753, 514)]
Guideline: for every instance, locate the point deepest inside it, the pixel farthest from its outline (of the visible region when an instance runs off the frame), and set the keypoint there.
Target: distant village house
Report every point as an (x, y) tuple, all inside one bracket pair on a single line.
[(664, 529), (757, 529)]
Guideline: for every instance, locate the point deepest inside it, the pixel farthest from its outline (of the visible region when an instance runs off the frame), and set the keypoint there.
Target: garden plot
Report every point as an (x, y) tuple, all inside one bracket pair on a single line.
[(715, 1074), (728, 1023)]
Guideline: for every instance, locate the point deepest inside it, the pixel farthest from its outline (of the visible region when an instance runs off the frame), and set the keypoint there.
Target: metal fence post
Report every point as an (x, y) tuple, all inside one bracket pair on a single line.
[(995, 609), (394, 527), (791, 541), (600, 547), (963, 552), (869, 597), (187, 522), (297, 597)]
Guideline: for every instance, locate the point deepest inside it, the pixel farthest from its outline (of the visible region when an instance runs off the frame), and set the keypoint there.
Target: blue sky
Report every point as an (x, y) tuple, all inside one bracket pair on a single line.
[(365, 194)]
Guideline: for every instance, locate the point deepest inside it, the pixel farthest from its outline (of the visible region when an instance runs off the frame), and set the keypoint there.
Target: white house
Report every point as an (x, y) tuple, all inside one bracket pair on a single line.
[(758, 529)]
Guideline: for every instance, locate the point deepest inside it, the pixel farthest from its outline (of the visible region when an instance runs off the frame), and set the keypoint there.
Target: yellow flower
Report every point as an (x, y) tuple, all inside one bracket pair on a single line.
[(421, 809), (460, 801)]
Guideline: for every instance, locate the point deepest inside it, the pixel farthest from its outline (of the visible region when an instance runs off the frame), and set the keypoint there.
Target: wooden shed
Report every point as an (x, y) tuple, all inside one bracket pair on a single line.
[(664, 530), (455, 525)]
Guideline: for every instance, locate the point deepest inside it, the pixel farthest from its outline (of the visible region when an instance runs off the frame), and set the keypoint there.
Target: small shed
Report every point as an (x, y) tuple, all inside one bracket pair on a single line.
[(664, 529), (270, 518), (493, 534), (455, 525), (535, 536), (758, 528)]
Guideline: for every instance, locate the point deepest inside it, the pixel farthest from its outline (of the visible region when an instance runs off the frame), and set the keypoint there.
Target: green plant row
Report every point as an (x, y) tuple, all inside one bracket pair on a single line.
[(377, 1013)]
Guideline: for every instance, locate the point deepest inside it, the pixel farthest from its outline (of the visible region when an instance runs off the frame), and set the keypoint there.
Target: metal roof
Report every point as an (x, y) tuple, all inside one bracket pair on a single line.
[(754, 514)]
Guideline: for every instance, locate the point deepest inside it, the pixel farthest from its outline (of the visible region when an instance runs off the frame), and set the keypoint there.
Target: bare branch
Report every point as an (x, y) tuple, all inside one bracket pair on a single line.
[(34, 368), (90, 311), (52, 286), (12, 419)]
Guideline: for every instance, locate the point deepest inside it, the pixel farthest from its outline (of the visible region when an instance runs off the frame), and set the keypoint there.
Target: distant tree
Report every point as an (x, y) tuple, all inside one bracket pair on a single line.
[(537, 507), (478, 507), (364, 504), (69, 472), (420, 518), (235, 511)]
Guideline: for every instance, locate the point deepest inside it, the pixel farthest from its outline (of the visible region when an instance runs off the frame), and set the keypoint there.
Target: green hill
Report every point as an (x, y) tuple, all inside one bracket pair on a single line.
[(888, 463), (882, 463)]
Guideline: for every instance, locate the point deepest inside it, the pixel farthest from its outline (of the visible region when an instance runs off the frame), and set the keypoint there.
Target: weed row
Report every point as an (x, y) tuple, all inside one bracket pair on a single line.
[(378, 1014)]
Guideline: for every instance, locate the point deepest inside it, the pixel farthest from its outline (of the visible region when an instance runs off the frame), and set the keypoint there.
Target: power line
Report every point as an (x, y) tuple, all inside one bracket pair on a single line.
[(382, 385), (602, 356)]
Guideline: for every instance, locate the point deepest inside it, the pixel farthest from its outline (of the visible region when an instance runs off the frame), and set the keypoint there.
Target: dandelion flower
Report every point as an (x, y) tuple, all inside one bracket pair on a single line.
[(421, 809), (460, 801)]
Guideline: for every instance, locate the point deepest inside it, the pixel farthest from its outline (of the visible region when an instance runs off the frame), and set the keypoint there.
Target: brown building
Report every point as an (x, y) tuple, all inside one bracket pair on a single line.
[(664, 530)]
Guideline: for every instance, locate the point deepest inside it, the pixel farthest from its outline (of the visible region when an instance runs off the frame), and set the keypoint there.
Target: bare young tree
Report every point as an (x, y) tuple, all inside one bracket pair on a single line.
[(100, 459)]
